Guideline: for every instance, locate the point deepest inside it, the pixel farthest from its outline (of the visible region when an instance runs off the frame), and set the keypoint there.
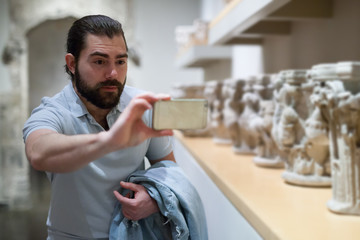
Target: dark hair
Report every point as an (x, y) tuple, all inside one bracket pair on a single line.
[(94, 24)]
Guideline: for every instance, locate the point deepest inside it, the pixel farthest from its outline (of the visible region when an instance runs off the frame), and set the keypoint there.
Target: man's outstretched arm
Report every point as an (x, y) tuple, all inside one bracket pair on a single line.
[(50, 151)]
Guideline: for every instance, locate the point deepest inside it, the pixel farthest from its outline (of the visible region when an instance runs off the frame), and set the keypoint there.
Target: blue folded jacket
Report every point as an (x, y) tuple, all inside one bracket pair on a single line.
[(181, 213)]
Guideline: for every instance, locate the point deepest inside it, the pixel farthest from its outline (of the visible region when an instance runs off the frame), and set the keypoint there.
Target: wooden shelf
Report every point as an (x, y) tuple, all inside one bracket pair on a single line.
[(261, 17), (275, 209), (201, 56)]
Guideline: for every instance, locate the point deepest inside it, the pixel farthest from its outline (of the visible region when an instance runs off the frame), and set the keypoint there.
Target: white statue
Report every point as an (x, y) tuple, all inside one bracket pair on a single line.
[(267, 154), (232, 91), (248, 123), (343, 113), (299, 131), (200, 36), (183, 37), (213, 93), (195, 34), (284, 120), (264, 86), (251, 125)]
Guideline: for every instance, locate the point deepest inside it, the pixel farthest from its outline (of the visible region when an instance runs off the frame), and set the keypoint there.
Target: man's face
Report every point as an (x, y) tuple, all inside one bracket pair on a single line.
[(100, 73)]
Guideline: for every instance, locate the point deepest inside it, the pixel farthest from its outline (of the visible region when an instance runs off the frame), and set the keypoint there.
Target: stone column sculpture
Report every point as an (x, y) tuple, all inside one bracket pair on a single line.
[(3, 200), (293, 132), (213, 93), (343, 112), (13, 163), (311, 159)]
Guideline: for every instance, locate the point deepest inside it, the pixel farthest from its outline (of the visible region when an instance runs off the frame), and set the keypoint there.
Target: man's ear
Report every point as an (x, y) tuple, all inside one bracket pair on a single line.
[(70, 62)]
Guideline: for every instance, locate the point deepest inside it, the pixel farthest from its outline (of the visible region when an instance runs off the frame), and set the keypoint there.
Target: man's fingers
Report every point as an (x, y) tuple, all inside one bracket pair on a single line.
[(139, 207), (131, 186), (130, 129), (164, 97), (152, 98), (123, 200), (126, 185), (138, 106), (143, 102), (118, 196), (161, 133)]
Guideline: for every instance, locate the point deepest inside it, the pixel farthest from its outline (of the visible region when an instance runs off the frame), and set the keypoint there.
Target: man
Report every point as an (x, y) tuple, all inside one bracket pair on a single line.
[(93, 134)]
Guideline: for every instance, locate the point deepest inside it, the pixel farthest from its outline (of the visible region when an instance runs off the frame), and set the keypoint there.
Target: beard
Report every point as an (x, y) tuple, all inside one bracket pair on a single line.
[(93, 95)]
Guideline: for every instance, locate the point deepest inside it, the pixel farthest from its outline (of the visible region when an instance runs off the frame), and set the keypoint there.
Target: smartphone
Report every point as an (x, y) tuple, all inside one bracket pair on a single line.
[(181, 114)]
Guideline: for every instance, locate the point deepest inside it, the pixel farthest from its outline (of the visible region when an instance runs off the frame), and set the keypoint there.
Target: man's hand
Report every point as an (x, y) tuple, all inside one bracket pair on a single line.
[(139, 207), (129, 129)]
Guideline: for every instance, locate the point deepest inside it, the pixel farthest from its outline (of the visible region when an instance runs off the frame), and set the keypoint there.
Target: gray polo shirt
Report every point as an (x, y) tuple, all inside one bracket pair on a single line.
[(82, 201)]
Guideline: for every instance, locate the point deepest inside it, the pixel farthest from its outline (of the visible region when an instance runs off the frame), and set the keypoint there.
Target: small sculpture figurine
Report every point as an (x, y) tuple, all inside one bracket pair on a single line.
[(301, 133), (213, 93), (343, 113), (267, 154), (264, 86), (195, 34), (248, 123), (233, 91), (255, 90)]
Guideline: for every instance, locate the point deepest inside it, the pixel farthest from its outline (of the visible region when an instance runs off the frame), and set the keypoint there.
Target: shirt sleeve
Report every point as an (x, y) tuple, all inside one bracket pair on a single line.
[(42, 118), (159, 147)]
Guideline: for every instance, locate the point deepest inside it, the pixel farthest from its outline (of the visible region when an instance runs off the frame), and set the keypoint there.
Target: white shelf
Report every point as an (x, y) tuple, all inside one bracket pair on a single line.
[(216, 205), (201, 56), (274, 209), (242, 19)]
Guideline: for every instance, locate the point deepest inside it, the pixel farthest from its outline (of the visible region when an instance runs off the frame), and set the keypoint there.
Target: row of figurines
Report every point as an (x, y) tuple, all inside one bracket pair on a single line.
[(307, 121)]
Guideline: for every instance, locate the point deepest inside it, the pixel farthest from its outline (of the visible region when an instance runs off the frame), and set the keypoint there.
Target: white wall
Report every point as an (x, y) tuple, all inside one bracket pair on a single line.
[(276, 54), (316, 41), (311, 42), (211, 8), (332, 40), (4, 29), (247, 60), (155, 23), (46, 60), (217, 70)]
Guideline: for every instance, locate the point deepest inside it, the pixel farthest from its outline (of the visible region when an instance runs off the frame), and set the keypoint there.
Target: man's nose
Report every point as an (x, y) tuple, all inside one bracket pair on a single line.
[(112, 72)]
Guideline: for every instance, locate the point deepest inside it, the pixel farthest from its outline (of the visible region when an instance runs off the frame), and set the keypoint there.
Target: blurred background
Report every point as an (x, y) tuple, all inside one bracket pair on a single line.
[(285, 34)]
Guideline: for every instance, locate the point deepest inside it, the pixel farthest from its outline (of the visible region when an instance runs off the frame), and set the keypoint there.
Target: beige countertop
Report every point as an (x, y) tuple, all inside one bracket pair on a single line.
[(274, 208)]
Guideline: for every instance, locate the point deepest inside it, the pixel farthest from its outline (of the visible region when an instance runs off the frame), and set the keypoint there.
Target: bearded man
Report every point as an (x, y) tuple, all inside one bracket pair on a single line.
[(89, 137)]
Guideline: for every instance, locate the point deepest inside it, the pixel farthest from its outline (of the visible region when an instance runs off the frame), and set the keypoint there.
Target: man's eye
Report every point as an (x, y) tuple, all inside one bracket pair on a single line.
[(121, 62), (100, 62)]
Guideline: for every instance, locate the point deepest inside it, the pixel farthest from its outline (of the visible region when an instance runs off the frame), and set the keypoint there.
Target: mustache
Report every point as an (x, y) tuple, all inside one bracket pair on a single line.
[(110, 82)]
